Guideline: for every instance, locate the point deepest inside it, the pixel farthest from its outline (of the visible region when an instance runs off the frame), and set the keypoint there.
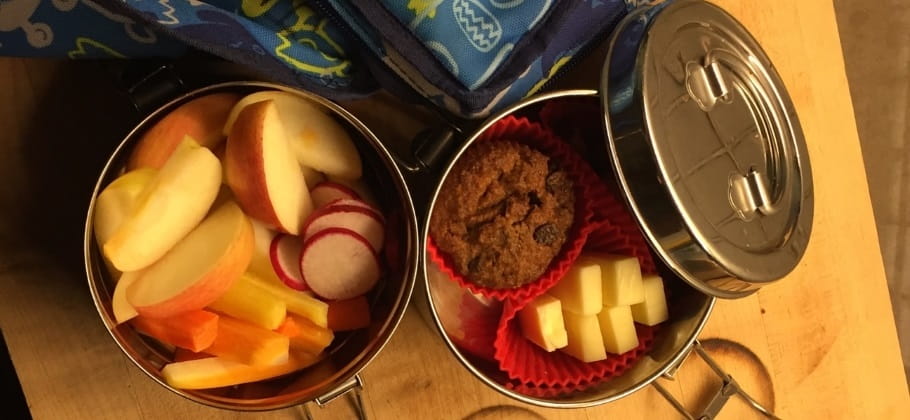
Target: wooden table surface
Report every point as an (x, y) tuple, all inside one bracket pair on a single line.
[(819, 344)]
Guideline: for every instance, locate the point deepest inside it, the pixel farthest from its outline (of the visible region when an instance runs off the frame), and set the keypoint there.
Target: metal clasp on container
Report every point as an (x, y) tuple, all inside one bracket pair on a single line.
[(728, 389), (705, 83), (354, 386)]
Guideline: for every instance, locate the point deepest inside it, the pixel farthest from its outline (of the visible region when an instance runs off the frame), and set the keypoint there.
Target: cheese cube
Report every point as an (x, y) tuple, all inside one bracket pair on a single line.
[(542, 323), (581, 290), (621, 280), (618, 329), (653, 310), (585, 341)]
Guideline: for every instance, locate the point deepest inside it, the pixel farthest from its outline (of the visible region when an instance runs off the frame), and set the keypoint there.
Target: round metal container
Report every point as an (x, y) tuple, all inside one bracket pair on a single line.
[(707, 152), (351, 352), (690, 308)]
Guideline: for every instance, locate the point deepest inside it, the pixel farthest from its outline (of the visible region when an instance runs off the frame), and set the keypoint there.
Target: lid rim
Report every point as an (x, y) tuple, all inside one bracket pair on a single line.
[(711, 263)]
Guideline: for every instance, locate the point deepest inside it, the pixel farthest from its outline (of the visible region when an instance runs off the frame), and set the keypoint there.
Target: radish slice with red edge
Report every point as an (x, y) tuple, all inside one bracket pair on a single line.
[(285, 255), (365, 222), (326, 192), (338, 263), (357, 203)]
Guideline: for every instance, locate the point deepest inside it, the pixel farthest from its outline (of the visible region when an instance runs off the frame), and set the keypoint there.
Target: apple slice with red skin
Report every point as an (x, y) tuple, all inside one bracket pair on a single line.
[(327, 192), (318, 140), (338, 263), (261, 169), (200, 118), (285, 255), (199, 269), (365, 222)]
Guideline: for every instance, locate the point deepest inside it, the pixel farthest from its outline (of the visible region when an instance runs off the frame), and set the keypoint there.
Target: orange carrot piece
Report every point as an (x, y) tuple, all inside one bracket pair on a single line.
[(246, 343), (349, 314), (288, 327), (215, 372), (183, 355), (193, 330), (307, 336)]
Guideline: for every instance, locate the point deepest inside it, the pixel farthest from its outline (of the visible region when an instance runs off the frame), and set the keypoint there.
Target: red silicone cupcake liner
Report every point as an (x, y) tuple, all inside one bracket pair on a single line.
[(613, 231), (478, 323), (526, 363), (616, 231), (535, 136), (547, 391)]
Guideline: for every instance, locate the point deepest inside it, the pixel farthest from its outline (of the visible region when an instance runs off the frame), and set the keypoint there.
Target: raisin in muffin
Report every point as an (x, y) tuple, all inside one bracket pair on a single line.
[(503, 214)]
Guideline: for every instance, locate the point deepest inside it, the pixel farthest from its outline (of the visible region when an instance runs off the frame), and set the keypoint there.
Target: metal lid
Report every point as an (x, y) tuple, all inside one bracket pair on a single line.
[(707, 147)]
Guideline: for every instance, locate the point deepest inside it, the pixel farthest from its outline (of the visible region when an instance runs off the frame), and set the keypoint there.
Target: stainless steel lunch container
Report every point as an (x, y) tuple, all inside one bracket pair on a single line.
[(705, 146), (699, 136), (338, 373)]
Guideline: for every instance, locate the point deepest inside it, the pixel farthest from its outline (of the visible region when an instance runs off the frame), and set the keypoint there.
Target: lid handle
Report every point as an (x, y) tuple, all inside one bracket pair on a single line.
[(751, 194), (706, 84)]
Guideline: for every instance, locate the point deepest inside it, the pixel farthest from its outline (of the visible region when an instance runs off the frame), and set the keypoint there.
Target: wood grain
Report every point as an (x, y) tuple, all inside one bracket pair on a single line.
[(824, 336)]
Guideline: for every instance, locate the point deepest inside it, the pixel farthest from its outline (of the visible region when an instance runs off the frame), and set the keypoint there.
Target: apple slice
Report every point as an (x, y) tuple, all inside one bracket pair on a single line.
[(338, 263), (114, 205), (262, 96), (199, 269), (327, 192), (123, 311), (262, 171), (318, 141), (201, 118), (365, 222), (117, 201), (311, 177), (285, 255), (261, 264), (175, 201)]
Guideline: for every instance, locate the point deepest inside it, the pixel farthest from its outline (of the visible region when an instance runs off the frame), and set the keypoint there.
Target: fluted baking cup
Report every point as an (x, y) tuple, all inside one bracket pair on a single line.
[(613, 231), (526, 363), (523, 131)]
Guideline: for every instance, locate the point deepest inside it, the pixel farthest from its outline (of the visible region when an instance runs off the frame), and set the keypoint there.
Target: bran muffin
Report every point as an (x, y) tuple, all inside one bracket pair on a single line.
[(503, 214)]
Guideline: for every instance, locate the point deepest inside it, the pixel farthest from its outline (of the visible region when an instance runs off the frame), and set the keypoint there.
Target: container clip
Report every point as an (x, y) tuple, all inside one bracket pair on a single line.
[(728, 389)]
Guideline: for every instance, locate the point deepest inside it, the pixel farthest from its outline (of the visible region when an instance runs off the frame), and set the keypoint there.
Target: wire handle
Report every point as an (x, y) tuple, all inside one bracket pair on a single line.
[(728, 389), (353, 387)]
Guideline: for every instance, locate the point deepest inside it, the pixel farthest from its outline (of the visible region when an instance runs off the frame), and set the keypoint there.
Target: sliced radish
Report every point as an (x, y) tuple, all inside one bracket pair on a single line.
[(338, 263), (326, 192), (364, 222), (357, 203), (285, 255)]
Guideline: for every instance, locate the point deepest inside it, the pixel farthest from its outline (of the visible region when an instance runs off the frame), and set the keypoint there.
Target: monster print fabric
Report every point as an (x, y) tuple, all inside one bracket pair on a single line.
[(469, 57)]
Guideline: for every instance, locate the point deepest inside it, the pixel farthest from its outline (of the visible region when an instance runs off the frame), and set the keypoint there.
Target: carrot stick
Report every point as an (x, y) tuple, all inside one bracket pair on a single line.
[(246, 343), (182, 355), (349, 314), (300, 303), (305, 335), (193, 330), (288, 327), (215, 372)]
